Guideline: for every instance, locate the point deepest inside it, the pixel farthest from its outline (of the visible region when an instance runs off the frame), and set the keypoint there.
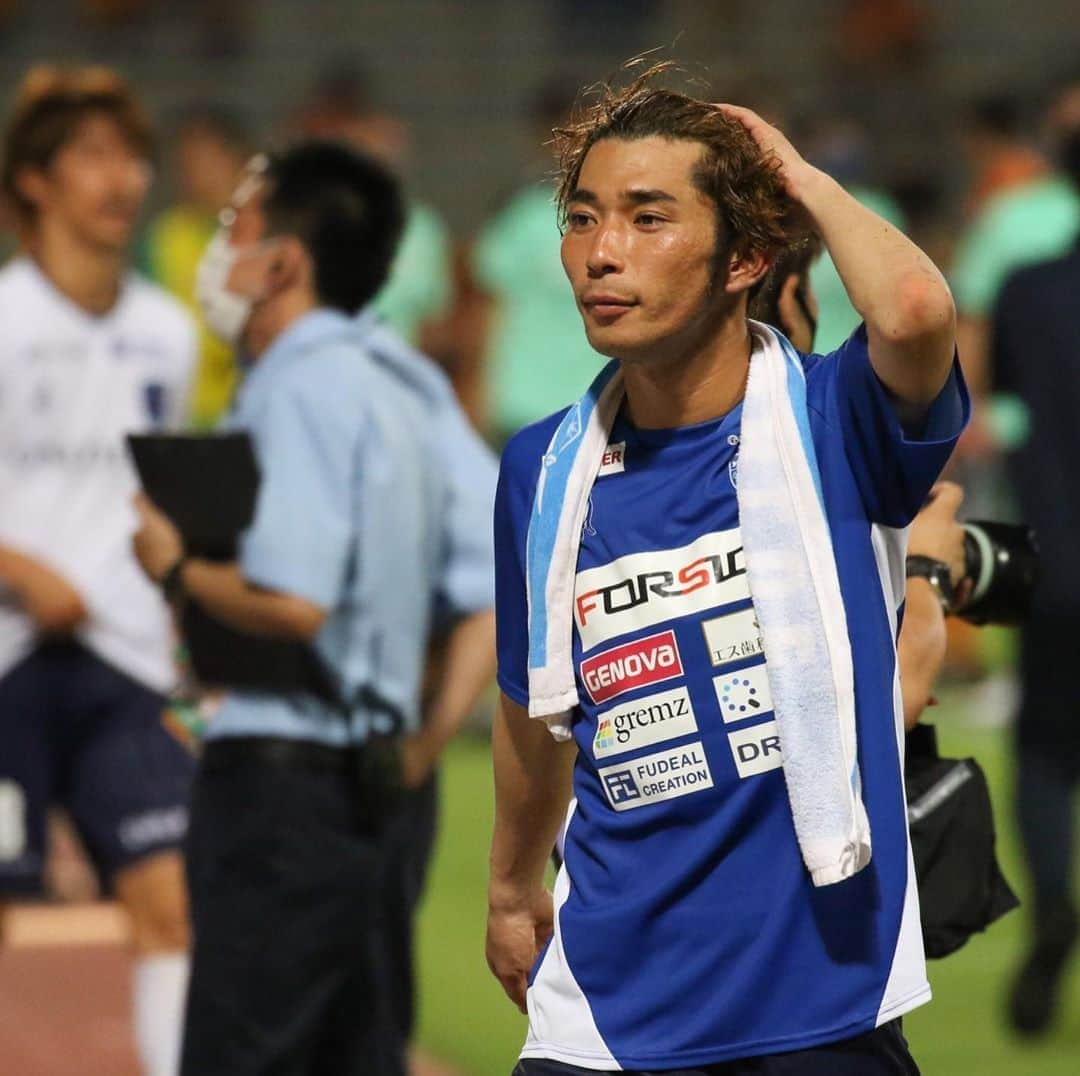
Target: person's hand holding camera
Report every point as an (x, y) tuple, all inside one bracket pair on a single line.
[(937, 536)]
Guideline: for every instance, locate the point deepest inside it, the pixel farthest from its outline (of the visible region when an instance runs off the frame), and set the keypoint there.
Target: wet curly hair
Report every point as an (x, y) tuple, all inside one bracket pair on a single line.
[(753, 208)]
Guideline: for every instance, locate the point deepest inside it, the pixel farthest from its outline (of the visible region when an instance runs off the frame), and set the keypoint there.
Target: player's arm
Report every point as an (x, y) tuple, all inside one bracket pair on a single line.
[(220, 588), (49, 599), (899, 292), (466, 667), (920, 650), (533, 781)]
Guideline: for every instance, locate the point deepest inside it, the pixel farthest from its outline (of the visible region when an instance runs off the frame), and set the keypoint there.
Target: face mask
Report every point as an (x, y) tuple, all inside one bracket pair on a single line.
[(225, 312)]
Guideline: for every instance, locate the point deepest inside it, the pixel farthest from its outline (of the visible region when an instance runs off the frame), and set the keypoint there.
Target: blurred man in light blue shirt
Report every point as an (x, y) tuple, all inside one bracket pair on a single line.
[(463, 650), (362, 541)]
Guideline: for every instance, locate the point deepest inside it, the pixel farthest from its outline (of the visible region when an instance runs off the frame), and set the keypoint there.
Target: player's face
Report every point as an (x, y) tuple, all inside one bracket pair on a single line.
[(96, 184), (639, 247)]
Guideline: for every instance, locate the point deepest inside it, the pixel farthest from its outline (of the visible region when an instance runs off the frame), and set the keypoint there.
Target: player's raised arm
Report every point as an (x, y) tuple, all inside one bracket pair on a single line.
[(901, 295)]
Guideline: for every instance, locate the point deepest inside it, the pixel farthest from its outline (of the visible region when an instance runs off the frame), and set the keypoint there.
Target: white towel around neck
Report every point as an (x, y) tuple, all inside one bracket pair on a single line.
[(793, 579)]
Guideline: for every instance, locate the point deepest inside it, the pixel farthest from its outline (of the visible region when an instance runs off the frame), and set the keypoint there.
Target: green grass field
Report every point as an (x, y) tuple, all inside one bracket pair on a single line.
[(466, 1020)]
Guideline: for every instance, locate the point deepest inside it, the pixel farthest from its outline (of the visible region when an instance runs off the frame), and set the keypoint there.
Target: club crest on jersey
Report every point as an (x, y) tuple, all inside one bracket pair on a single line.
[(733, 466), (643, 589)]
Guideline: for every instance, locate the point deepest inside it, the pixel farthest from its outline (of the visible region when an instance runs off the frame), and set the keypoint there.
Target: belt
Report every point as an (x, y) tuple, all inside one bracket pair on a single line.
[(278, 751)]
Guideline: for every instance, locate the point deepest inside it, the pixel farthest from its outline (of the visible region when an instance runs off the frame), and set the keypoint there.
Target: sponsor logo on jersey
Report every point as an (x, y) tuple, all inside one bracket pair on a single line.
[(604, 741), (614, 460), (743, 694), (756, 749), (733, 637), (645, 661), (638, 664), (650, 720), (643, 589), (665, 775)]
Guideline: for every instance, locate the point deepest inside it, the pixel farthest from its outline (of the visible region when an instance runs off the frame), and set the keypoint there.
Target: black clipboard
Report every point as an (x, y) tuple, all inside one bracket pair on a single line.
[(207, 484)]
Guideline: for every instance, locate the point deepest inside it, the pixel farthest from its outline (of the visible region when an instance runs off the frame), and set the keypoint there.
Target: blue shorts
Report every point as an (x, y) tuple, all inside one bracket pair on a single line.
[(78, 733)]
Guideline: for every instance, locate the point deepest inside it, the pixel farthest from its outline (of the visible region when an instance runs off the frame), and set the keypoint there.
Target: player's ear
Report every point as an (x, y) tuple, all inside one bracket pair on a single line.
[(746, 266), (32, 185)]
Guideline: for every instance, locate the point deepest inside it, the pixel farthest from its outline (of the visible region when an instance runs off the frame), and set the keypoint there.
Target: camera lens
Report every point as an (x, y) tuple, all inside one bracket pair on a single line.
[(1001, 560)]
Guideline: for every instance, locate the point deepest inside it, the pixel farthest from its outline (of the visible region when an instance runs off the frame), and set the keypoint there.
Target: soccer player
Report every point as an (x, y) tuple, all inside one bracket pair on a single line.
[(90, 352), (685, 932)]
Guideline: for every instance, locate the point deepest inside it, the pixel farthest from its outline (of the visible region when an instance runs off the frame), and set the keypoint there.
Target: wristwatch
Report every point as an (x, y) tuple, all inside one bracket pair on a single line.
[(936, 573)]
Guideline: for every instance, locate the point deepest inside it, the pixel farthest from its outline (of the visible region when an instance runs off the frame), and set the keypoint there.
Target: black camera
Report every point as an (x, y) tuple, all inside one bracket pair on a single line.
[(1001, 560)]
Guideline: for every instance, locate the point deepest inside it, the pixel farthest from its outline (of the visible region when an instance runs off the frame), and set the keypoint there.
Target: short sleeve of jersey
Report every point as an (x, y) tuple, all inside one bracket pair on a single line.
[(300, 538), (894, 468), (518, 474)]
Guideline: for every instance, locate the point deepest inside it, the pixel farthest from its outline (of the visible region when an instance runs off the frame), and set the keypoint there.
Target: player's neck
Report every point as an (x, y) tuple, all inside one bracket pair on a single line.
[(701, 382), (90, 276)]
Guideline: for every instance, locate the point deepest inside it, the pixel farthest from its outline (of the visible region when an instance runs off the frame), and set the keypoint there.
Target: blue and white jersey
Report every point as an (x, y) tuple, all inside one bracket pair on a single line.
[(687, 929)]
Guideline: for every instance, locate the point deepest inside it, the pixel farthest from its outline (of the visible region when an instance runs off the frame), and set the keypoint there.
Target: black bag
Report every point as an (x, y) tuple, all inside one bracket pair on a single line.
[(951, 819)]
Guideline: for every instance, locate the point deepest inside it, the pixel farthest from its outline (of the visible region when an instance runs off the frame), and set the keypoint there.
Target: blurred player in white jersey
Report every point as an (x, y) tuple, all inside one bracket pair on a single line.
[(88, 352)]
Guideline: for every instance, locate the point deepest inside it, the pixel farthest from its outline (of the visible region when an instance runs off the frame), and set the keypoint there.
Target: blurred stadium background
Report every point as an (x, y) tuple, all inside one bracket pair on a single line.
[(454, 92)]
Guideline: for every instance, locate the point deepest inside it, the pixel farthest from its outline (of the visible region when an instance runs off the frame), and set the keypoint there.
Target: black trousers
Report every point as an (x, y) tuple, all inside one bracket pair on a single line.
[(286, 875), (1048, 755), (881, 1052), (410, 838)]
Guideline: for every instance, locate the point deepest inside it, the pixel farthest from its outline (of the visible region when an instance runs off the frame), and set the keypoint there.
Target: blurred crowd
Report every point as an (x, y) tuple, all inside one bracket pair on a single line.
[(493, 308)]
